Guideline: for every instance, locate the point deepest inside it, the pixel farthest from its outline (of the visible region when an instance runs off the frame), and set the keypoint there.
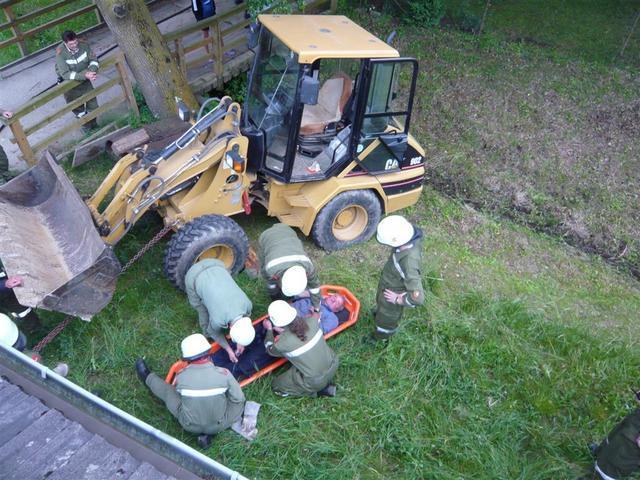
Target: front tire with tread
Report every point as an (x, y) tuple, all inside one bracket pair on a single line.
[(349, 218), (198, 236)]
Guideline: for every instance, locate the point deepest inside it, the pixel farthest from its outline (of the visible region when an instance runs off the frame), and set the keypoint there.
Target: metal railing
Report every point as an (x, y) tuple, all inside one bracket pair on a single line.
[(98, 416)]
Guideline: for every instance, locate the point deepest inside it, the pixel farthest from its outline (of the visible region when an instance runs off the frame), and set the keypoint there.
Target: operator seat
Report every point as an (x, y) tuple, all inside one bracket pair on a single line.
[(332, 99)]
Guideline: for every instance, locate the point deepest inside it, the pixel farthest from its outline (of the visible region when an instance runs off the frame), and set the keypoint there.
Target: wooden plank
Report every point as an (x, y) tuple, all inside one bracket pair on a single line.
[(53, 455), (8, 3), (34, 437), (146, 471), (46, 26), (85, 463), (21, 139), (4, 383), (219, 67), (125, 82), (117, 463), (129, 142), (17, 414), (46, 97), (17, 33), (89, 150), (71, 105), (8, 391), (42, 11), (77, 124), (92, 149)]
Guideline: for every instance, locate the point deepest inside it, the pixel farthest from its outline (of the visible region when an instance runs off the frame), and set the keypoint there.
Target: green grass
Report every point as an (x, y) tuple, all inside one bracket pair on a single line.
[(523, 354), (591, 30), (508, 126), (526, 348)]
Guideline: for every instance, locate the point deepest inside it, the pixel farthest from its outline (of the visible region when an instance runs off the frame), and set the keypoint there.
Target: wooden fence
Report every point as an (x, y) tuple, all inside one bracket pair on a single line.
[(21, 133), (19, 35), (186, 51), (191, 54)]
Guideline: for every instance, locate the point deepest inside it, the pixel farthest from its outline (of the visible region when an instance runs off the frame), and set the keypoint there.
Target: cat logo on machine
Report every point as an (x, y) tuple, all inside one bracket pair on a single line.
[(415, 160), (391, 164)]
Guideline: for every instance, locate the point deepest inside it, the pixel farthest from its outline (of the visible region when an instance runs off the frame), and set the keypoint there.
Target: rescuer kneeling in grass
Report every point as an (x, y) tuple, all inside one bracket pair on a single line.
[(618, 456), (300, 341), (205, 399)]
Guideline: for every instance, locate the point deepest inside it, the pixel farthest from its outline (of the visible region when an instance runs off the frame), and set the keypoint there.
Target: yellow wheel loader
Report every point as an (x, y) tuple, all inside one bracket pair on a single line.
[(322, 143)]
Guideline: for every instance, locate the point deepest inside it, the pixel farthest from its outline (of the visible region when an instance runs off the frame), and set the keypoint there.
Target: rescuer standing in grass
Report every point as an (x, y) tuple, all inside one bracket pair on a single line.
[(400, 284)]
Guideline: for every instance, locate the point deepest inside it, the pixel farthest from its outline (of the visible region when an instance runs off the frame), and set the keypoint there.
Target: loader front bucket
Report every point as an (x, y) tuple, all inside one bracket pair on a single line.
[(47, 237)]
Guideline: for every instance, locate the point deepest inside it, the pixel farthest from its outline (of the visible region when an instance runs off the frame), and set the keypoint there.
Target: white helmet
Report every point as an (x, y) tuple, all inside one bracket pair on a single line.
[(394, 231), (242, 331), (294, 281), (8, 331), (194, 346), (281, 313)]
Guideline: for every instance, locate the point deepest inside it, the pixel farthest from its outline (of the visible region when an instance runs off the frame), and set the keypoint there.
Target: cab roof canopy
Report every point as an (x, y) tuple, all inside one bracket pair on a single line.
[(326, 36)]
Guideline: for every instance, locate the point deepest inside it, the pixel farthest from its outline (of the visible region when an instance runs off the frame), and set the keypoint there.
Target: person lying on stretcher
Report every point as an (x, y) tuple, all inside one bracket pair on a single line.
[(255, 357)]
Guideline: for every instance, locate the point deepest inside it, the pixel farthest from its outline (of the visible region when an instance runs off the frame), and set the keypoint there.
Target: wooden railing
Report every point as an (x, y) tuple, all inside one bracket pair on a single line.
[(16, 23), (223, 40), (21, 132)]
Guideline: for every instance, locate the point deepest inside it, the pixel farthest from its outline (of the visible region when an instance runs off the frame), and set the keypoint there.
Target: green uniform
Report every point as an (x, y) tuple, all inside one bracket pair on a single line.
[(4, 167), (205, 399), (74, 66), (619, 455), (4, 162), (216, 297), (313, 363), (400, 274), (279, 249)]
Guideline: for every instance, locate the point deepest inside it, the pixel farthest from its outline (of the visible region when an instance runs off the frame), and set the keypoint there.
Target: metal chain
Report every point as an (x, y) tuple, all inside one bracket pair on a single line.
[(157, 237), (52, 334), (58, 328)]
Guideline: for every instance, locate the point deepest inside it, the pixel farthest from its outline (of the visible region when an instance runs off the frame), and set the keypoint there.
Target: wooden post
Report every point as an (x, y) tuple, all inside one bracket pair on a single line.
[(17, 33), (334, 6), (219, 67), (126, 85), (99, 17), (180, 56), (23, 143)]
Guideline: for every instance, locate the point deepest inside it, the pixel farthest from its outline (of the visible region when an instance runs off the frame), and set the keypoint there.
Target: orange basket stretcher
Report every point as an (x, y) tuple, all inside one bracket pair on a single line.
[(351, 304)]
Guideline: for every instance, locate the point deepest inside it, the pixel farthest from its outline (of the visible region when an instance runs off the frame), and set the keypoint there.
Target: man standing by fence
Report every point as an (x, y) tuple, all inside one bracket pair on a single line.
[(76, 61)]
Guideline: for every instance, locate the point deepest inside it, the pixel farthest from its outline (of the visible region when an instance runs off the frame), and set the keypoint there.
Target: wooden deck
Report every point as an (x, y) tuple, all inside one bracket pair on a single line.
[(38, 442)]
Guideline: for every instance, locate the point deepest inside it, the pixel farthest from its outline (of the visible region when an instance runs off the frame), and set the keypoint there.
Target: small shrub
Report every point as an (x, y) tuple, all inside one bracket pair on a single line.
[(145, 113)]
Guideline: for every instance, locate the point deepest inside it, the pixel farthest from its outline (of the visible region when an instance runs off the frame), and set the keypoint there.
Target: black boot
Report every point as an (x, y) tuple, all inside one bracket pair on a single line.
[(204, 440), (328, 391), (142, 370)]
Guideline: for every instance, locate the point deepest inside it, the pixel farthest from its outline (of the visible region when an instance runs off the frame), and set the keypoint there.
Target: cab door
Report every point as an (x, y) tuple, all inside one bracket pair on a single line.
[(382, 120)]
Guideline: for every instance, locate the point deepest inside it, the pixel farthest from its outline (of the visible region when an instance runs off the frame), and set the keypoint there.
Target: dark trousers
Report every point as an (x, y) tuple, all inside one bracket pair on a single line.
[(76, 92)]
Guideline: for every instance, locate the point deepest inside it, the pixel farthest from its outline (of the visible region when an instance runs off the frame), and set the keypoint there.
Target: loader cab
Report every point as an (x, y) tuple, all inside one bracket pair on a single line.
[(323, 94)]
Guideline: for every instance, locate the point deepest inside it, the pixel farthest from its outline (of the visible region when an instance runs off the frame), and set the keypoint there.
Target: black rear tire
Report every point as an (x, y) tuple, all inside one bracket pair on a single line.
[(209, 236), (348, 219)]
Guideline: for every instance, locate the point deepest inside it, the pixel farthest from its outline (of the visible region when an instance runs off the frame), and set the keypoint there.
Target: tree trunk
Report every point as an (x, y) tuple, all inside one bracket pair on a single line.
[(153, 66)]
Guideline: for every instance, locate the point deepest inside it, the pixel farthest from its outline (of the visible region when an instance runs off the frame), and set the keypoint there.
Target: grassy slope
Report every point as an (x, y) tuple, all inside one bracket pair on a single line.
[(545, 131), (521, 357)]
